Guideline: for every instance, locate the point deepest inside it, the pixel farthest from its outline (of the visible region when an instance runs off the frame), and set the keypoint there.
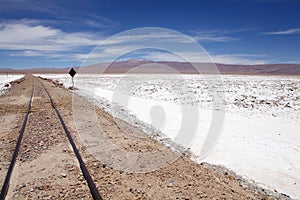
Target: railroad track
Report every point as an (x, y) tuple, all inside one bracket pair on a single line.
[(92, 187)]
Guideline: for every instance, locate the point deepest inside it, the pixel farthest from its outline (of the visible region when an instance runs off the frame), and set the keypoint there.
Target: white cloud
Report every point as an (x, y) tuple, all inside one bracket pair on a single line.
[(250, 59), (30, 53), (93, 23), (208, 38), (239, 59), (203, 57), (98, 21), (27, 35), (28, 5), (29, 38), (141, 36), (285, 32), (212, 36), (215, 58)]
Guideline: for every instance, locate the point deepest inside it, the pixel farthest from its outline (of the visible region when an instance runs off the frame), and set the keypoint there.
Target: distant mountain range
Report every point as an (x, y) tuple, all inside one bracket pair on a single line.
[(144, 66)]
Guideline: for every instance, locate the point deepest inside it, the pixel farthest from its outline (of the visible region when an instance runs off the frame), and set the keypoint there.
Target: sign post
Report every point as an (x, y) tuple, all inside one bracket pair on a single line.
[(72, 72)]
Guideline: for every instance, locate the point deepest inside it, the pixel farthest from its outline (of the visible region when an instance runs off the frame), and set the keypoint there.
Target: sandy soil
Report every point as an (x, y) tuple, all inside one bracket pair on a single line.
[(12, 111), (47, 169)]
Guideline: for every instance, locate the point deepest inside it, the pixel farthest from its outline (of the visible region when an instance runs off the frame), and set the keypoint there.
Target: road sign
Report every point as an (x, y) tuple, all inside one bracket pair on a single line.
[(72, 72)]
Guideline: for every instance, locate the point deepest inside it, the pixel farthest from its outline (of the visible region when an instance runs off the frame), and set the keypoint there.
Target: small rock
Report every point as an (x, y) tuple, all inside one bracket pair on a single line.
[(71, 169), (63, 175), (39, 187), (47, 197), (170, 185)]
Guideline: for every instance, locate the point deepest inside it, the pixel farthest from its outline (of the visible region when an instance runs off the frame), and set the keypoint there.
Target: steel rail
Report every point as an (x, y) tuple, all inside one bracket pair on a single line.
[(6, 183), (87, 176)]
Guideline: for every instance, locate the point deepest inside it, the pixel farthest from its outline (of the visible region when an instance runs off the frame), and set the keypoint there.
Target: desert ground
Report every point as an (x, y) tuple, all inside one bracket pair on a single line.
[(46, 167)]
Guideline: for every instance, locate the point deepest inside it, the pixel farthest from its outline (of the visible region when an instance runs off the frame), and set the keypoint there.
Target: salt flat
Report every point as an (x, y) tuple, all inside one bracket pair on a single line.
[(259, 138), (4, 79)]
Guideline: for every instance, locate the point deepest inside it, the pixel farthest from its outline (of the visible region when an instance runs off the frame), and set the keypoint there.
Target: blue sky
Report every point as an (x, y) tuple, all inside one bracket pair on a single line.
[(58, 33)]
